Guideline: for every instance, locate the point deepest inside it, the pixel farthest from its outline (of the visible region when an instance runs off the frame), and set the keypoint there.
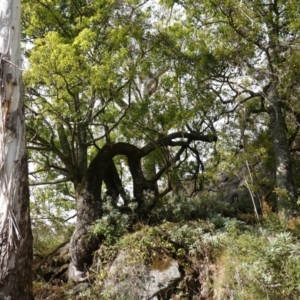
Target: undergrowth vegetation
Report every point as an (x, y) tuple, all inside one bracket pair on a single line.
[(233, 257), (240, 260), (260, 266)]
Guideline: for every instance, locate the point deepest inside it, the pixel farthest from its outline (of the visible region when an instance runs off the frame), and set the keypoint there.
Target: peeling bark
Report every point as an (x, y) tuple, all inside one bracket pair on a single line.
[(15, 230)]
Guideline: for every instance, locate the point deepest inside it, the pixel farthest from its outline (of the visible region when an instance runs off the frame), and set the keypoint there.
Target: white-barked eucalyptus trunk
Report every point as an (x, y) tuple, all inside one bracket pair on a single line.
[(15, 230)]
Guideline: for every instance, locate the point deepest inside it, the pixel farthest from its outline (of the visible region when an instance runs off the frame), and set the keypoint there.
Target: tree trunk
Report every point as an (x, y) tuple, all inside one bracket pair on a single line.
[(102, 170), (284, 179), (15, 230), (89, 209), (89, 200)]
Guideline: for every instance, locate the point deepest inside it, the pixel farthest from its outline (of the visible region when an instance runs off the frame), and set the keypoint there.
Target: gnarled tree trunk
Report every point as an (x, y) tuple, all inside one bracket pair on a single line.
[(15, 230), (102, 170), (89, 200)]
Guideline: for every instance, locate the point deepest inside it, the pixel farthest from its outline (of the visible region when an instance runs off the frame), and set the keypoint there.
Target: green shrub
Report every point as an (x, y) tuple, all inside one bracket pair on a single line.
[(179, 208), (113, 224), (261, 267)]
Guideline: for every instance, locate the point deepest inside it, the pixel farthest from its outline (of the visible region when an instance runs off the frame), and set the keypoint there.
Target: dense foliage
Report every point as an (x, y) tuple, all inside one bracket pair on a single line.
[(154, 111)]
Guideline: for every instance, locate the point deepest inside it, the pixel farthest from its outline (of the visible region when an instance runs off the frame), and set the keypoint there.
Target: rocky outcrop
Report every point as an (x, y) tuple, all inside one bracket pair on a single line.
[(134, 273), (129, 278), (234, 191)]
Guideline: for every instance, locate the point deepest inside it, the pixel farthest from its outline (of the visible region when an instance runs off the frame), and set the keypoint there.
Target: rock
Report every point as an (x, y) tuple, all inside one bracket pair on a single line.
[(130, 278), (79, 288), (233, 190), (163, 275)]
